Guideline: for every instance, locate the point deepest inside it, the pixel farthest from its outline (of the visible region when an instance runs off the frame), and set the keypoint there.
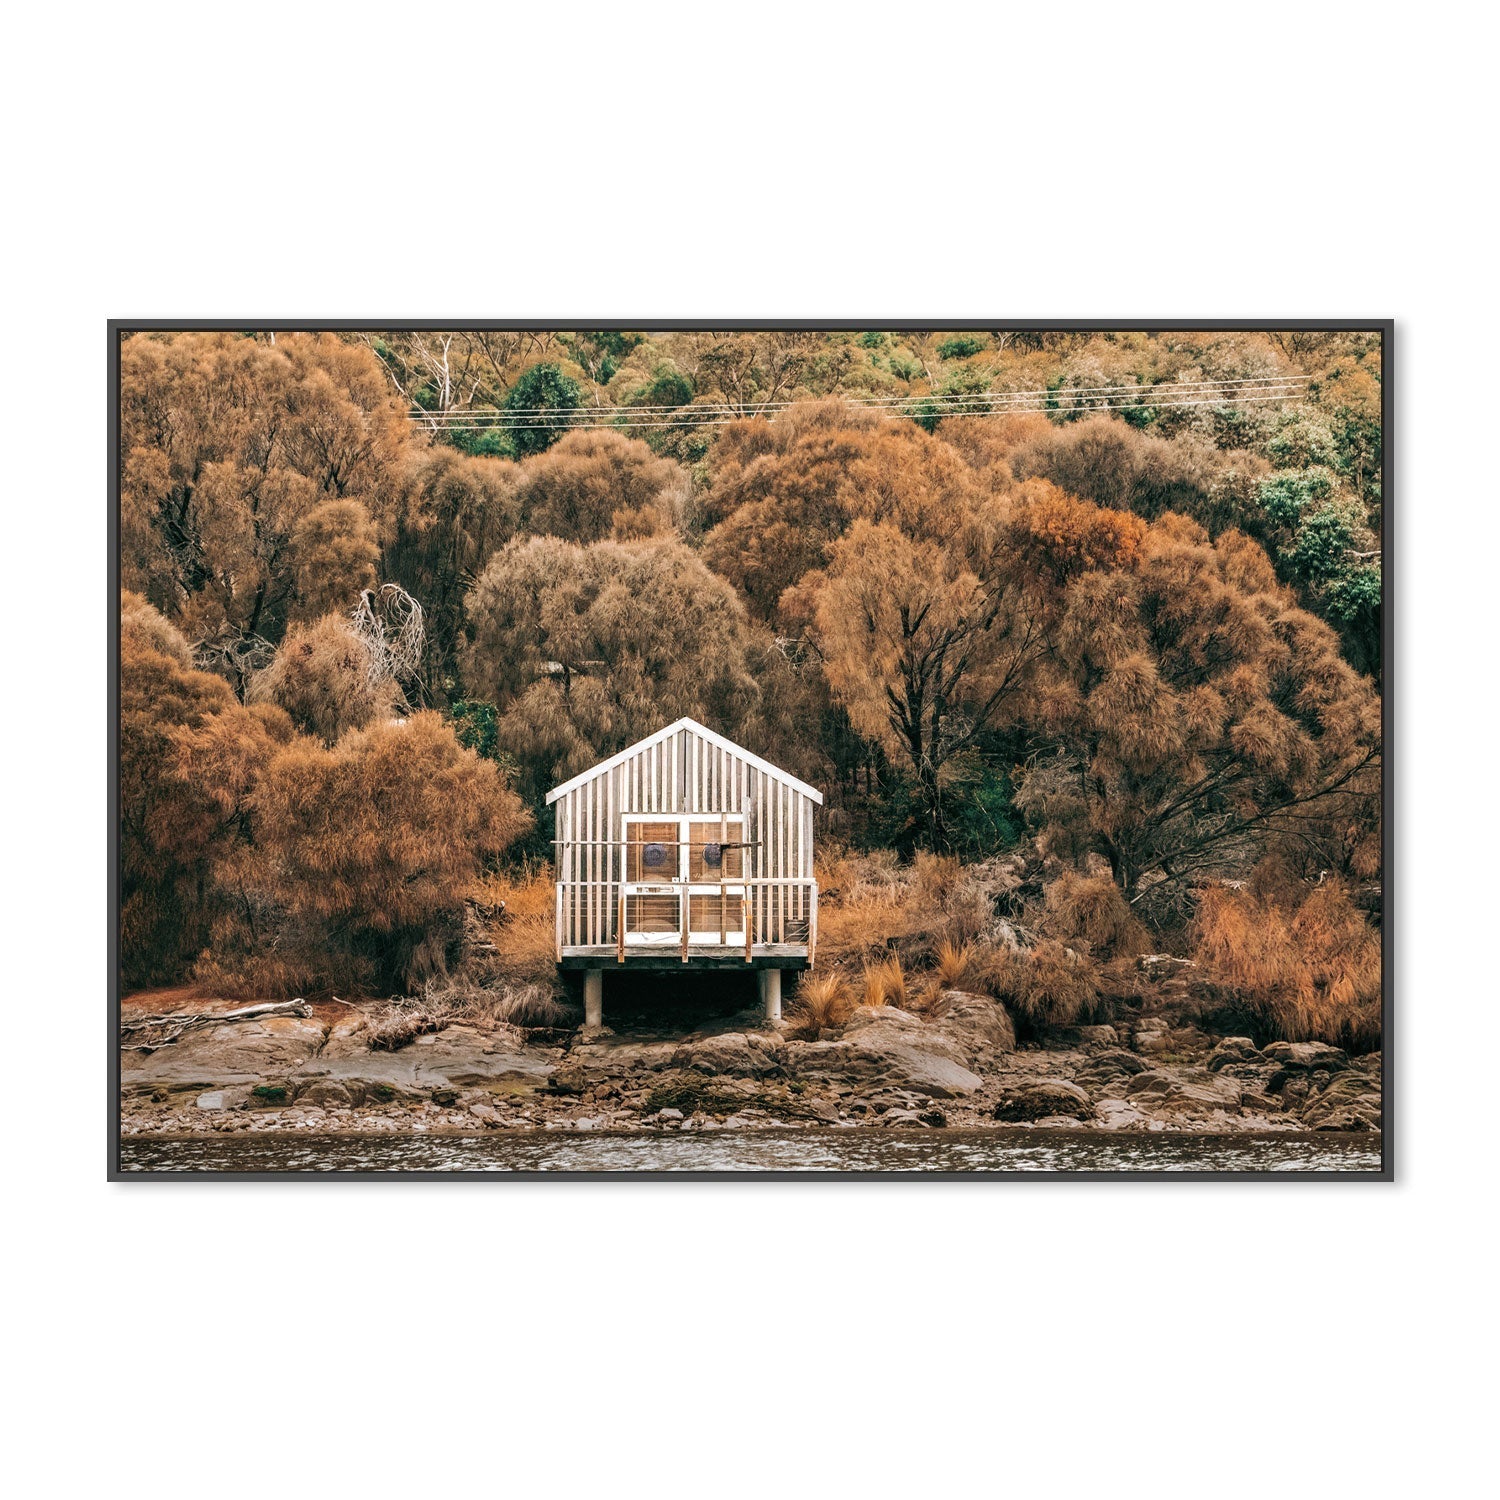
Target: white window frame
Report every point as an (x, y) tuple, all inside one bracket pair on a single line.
[(679, 885)]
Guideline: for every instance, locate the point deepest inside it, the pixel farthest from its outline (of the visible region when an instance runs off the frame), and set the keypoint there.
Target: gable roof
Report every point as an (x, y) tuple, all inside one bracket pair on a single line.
[(706, 734)]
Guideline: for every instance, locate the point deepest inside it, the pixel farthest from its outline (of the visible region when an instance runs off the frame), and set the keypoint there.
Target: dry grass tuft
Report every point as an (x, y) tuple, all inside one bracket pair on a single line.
[(525, 936), (953, 965), (1092, 910), (884, 984), (822, 1002), (874, 906), (1047, 987), (1308, 974)]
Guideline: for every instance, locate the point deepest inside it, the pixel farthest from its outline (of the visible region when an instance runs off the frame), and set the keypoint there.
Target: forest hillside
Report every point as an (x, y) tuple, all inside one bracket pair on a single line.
[(1080, 629)]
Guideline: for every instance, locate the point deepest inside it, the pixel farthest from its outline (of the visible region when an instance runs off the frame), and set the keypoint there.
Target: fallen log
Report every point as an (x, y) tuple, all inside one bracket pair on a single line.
[(174, 1025)]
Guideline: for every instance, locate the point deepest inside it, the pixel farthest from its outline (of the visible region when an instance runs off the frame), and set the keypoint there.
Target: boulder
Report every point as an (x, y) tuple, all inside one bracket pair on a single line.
[(1046, 1097), (456, 1058), (887, 1047), (1306, 1057), (1350, 1102), (1232, 1049), (1108, 1071), (235, 1053), (979, 1024), (328, 1091), (1172, 1094), (1096, 1037), (734, 1053), (901, 1117)]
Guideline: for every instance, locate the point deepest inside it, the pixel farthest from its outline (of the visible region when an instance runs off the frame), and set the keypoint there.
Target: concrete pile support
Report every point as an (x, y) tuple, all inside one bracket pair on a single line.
[(593, 999), (770, 993)]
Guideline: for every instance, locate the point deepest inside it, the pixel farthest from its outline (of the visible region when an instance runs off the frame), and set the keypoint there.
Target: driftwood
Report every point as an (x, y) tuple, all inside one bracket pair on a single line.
[(161, 1031)]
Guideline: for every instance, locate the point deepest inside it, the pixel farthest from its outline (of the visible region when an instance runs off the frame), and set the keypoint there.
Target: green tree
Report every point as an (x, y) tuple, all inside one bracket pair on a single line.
[(539, 403)]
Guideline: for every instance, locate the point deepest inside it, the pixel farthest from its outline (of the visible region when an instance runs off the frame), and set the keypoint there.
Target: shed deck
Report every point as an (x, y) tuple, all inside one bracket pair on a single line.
[(762, 956)]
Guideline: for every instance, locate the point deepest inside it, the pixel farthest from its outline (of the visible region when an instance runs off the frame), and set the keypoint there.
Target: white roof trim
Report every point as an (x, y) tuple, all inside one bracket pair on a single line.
[(708, 734)]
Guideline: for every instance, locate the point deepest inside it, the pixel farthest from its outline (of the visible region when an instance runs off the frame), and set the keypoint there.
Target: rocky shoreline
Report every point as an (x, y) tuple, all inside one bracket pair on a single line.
[(957, 1066)]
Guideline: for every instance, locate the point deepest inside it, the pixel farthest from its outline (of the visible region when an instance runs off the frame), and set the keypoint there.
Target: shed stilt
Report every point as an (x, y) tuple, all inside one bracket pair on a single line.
[(593, 999), (770, 993)]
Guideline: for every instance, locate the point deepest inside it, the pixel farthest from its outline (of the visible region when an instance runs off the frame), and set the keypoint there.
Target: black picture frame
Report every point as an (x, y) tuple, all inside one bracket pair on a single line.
[(120, 328)]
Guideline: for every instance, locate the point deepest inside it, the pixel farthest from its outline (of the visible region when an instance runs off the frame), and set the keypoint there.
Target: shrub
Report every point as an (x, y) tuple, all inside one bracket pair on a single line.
[(322, 675), (1048, 987), (961, 346), (379, 839), (954, 964), (821, 1003), (1092, 909), (884, 984), (1311, 972)]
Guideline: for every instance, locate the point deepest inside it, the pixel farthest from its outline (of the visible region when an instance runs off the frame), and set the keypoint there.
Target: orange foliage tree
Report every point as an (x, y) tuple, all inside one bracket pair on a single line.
[(189, 757), (1195, 714), (227, 444), (378, 839)]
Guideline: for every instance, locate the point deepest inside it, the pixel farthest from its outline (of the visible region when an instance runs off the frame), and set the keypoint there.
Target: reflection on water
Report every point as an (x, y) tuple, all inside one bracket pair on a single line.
[(760, 1151)]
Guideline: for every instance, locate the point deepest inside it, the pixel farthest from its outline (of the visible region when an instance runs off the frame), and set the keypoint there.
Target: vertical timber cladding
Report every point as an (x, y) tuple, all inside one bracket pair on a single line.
[(679, 772)]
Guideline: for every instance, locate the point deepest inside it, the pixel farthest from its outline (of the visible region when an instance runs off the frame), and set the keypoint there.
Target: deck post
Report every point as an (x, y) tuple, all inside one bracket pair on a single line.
[(593, 999), (770, 992)]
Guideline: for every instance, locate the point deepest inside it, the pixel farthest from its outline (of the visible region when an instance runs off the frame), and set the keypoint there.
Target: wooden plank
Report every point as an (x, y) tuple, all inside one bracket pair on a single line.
[(812, 927)]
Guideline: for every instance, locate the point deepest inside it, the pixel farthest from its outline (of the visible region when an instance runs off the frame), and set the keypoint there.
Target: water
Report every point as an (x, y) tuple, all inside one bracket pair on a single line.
[(859, 1150)]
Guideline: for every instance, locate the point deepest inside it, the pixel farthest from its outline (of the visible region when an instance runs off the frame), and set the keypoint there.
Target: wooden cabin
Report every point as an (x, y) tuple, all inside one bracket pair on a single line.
[(685, 849)]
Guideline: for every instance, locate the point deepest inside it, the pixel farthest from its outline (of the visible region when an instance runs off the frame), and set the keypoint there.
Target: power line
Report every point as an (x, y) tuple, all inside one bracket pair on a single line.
[(586, 416), (1165, 388)]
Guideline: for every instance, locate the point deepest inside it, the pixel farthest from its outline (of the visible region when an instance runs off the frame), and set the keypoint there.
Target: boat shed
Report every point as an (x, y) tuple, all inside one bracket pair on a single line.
[(685, 849)]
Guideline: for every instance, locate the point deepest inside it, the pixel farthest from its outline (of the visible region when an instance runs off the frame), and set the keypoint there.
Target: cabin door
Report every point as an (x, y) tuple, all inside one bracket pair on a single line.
[(684, 879)]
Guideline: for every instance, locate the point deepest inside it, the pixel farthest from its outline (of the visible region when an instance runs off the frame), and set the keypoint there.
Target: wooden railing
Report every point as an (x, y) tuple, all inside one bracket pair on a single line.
[(777, 911)]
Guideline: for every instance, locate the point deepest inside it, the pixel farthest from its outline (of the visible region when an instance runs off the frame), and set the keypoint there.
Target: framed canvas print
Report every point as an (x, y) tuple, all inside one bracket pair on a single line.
[(722, 748)]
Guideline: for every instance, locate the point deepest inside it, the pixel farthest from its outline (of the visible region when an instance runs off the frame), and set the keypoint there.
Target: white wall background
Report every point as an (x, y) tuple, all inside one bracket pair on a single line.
[(786, 160)]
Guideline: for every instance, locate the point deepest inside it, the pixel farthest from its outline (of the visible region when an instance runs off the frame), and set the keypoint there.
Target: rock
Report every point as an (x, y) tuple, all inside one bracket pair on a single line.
[(1306, 1057), (1098, 1036), (1350, 1102), (733, 1053), (1049, 1096), (327, 1091), (1116, 1114), (889, 1047), (208, 1058), (458, 1059), (669, 1114), (934, 1117), (1232, 1049), (485, 1112), (1106, 1070), (1150, 1035), (212, 1100), (1166, 1092), (978, 1023), (900, 1117)]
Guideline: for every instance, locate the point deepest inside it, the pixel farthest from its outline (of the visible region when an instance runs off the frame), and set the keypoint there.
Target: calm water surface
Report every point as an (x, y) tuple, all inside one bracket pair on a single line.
[(761, 1151)]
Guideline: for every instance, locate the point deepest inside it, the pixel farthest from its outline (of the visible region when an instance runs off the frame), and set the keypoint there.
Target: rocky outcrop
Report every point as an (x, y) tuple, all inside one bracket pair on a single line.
[(886, 1046), (1306, 1057), (740, 1054), (1048, 1097), (979, 1024), (1351, 1101), (234, 1054), (1233, 1050), (1188, 1092)]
